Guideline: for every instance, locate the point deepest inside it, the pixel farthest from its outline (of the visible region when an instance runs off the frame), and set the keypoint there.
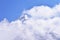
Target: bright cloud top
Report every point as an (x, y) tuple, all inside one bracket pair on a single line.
[(37, 23)]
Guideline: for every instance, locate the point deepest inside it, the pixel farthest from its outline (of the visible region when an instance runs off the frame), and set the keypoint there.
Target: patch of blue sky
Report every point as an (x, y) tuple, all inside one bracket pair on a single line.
[(12, 9)]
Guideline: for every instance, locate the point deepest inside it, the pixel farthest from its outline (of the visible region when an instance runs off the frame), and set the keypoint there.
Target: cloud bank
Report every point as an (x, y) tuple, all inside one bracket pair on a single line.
[(37, 23)]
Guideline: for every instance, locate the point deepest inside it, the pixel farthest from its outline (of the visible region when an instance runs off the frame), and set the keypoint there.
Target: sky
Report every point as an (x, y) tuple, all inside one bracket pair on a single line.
[(12, 9), (29, 19)]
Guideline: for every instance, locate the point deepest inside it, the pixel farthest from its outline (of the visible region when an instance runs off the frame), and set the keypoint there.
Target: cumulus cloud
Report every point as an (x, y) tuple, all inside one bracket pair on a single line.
[(37, 23)]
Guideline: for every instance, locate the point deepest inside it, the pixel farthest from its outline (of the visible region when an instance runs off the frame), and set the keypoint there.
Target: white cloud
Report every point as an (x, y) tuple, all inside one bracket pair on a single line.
[(38, 23)]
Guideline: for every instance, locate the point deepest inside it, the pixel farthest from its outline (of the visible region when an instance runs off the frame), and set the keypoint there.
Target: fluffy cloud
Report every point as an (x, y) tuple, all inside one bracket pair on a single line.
[(37, 23)]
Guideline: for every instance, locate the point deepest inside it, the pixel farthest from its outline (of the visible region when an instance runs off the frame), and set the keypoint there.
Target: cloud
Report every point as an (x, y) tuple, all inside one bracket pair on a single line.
[(37, 23)]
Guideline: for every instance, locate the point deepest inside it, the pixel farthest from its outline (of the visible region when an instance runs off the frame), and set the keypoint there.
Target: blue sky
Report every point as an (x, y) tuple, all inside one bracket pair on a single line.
[(12, 9)]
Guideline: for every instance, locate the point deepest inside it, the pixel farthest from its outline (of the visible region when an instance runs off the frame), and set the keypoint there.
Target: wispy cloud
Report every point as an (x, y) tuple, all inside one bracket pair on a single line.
[(37, 23)]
